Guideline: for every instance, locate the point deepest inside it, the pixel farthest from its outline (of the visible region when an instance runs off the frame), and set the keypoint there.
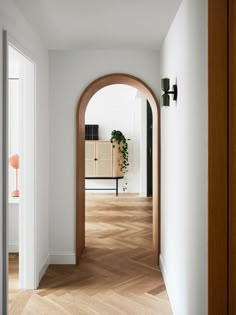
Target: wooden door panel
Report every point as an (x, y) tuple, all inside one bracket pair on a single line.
[(104, 168), (217, 157), (104, 159), (104, 150), (90, 150), (90, 155), (232, 157), (90, 168)]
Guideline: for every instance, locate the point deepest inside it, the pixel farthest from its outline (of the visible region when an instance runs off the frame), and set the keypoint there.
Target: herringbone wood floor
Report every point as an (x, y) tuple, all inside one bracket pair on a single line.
[(117, 274)]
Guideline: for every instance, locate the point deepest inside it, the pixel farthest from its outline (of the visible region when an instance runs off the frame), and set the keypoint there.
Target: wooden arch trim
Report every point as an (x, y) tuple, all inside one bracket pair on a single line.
[(92, 88)]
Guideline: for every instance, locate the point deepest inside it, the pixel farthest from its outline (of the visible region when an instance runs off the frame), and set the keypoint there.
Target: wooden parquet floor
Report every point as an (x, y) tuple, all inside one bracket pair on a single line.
[(117, 274)]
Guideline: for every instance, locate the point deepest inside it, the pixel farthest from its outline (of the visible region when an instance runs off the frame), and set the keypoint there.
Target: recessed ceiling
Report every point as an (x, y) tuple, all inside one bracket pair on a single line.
[(100, 24)]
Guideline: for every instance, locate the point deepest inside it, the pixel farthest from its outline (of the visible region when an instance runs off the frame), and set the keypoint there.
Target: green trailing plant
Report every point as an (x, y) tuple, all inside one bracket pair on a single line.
[(117, 136)]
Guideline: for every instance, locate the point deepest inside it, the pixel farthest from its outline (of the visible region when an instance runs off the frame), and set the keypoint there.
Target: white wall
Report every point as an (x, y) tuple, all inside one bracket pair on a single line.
[(70, 73), (116, 107), (12, 21), (13, 232), (184, 157)]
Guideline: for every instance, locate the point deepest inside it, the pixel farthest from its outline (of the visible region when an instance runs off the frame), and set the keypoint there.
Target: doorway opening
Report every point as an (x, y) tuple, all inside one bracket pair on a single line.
[(116, 111), (80, 161), (20, 170), (118, 219)]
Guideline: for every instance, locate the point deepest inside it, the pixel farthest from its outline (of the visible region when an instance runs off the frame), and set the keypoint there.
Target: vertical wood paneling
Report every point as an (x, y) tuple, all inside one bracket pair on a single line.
[(218, 179), (232, 157)]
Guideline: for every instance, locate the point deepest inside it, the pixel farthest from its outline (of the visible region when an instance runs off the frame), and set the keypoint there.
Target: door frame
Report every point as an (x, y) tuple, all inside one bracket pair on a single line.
[(28, 254), (92, 88), (5, 178)]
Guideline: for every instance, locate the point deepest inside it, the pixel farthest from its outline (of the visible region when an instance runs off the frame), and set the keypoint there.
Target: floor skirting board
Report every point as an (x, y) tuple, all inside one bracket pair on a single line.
[(164, 275), (44, 268), (62, 259), (162, 267)]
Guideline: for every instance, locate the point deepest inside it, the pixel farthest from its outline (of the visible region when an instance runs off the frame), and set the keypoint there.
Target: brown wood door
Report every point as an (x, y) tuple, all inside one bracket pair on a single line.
[(232, 157), (217, 157)]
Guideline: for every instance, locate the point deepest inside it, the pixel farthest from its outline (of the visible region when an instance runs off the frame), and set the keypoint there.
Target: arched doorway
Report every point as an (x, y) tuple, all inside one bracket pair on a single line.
[(95, 86)]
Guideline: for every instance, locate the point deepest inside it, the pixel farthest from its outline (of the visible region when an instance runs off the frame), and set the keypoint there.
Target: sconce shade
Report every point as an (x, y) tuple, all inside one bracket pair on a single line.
[(165, 84), (14, 161), (165, 100)]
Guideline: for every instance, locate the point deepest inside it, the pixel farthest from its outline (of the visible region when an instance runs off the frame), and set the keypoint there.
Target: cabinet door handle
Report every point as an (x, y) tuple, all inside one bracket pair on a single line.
[(95, 159)]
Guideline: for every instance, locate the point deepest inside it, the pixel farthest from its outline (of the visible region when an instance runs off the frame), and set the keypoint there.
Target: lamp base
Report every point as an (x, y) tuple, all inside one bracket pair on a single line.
[(15, 193)]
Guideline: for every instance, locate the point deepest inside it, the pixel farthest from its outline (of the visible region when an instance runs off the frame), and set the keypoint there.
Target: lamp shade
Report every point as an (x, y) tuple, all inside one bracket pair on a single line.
[(165, 100), (165, 84), (14, 161)]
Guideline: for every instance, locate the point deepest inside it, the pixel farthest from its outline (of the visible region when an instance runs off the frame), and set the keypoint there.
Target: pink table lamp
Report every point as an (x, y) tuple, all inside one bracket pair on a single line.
[(14, 162)]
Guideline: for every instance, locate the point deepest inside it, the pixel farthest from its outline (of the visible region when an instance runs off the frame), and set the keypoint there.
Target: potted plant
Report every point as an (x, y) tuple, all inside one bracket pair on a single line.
[(118, 136)]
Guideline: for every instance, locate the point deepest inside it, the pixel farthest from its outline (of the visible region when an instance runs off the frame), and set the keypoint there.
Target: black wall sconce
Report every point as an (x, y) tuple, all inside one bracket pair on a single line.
[(165, 86)]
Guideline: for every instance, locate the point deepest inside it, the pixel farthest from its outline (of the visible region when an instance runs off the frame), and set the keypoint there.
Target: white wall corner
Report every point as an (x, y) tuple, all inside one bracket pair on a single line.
[(63, 259), (44, 268)]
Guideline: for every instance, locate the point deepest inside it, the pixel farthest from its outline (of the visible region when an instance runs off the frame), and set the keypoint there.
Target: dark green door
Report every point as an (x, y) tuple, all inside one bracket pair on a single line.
[(149, 150)]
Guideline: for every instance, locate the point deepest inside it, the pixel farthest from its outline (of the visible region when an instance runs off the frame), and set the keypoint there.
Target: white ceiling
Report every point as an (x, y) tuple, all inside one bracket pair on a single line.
[(69, 24)]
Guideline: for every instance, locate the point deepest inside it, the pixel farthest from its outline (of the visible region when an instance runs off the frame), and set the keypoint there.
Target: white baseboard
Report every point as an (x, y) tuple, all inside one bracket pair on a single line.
[(62, 259), (13, 248), (162, 266), (164, 275), (44, 268)]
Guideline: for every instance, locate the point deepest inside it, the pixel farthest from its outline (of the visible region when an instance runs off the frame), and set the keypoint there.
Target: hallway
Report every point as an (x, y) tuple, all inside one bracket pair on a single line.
[(117, 274)]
